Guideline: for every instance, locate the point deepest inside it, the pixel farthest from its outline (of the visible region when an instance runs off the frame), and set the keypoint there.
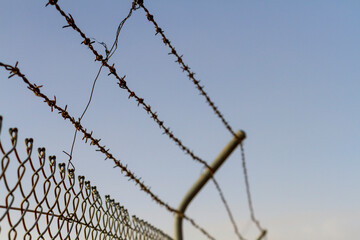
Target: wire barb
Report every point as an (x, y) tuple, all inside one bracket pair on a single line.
[(136, 4), (129, 174), (186, 68)]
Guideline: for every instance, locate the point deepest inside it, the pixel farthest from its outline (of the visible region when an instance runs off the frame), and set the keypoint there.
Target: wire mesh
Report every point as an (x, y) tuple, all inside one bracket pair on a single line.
[(40, 199), (65, 215), (14, 70)]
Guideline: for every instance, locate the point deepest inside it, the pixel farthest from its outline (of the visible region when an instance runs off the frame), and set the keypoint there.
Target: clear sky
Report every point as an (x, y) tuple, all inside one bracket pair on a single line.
[(286, 72)]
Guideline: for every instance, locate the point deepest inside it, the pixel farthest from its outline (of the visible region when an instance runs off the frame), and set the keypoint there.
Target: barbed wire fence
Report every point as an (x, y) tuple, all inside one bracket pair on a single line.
[(191, 75), (14, 70), (147, 107), (109, 54), (45, 200)]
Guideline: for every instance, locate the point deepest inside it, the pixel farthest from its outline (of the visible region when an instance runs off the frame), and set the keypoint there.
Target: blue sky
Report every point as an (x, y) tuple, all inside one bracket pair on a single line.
[(285, 72)]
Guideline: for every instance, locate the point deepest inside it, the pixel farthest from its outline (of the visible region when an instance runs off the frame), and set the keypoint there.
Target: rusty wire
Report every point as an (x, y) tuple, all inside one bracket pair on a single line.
[(57, 205), (196, 82), (14, 70), (186, 68), (109, 54), (122, 84), (147, 107), (113, 48)]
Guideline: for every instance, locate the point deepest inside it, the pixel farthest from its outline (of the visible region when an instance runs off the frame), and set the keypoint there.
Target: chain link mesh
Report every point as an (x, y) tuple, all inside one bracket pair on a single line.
[(40, 199)]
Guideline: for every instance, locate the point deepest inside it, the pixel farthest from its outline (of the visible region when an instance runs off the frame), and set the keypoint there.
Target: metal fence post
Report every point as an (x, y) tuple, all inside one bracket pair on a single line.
[(203, 179)]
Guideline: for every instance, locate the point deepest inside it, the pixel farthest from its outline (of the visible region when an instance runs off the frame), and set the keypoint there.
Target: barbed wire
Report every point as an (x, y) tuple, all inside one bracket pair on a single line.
[(196, 82), (147, 107), (186, 68), (122, 84), (14, 70), (113, 49), (109, 54)]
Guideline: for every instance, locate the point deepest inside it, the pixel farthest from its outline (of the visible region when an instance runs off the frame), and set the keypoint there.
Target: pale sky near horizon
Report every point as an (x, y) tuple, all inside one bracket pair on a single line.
[(286, 72)]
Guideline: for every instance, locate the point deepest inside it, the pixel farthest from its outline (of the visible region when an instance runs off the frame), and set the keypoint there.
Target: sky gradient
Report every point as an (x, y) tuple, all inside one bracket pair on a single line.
[(285, 72)]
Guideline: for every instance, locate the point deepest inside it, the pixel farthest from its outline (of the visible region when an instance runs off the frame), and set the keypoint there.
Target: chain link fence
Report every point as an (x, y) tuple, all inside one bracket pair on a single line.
[(40, 199)]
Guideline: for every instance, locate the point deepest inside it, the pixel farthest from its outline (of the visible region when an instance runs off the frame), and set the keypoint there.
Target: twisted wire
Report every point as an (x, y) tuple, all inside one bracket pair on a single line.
[(122, 83), (70, 164), (186, 68), (14, 70), (196, 82), (109, 54), (115, 44)]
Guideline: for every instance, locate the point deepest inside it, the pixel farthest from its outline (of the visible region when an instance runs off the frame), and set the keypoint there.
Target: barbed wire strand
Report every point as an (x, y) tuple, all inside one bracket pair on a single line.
[(14, 70), (186, 68), (122, 83), (191, 76)]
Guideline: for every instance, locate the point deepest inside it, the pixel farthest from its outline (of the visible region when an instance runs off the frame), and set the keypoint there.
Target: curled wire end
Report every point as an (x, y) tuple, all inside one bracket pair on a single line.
[(70, 157)]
